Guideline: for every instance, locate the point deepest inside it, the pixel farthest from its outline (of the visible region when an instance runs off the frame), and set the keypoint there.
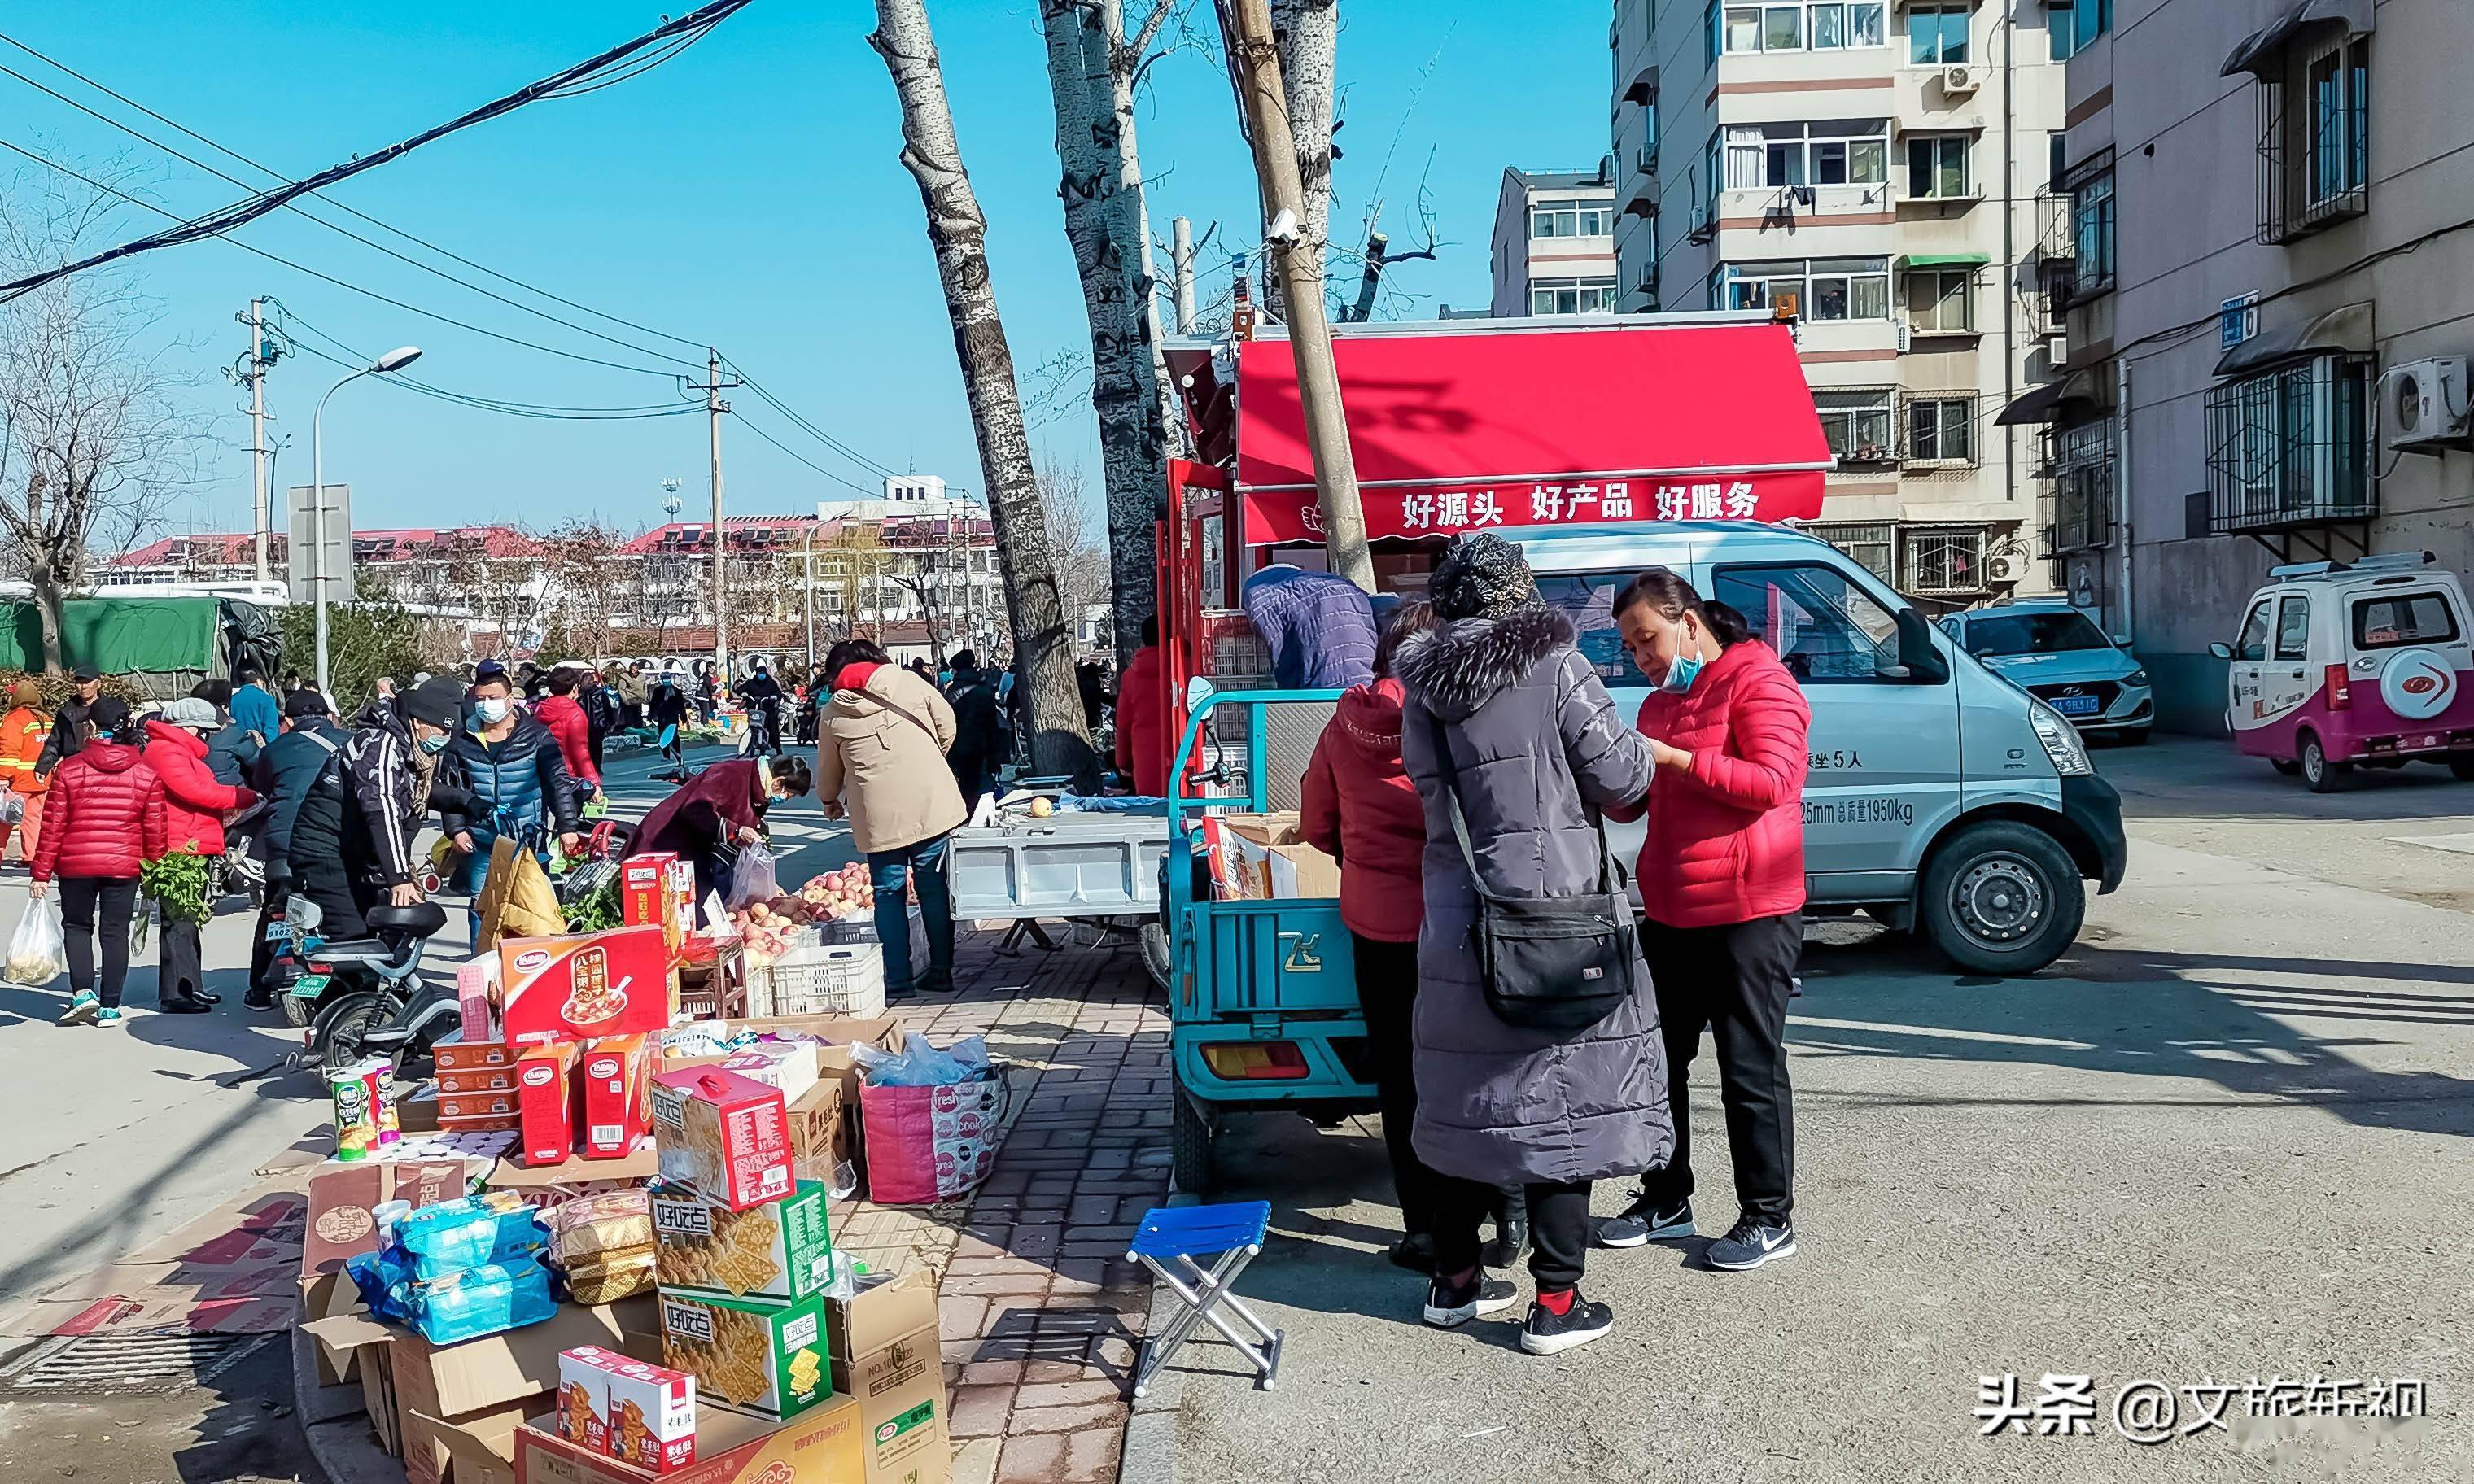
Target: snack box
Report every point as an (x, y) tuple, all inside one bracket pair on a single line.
[(781, 1249), (582, 985), (507, 1123), (468, 1053), (822, 1446), (748, 1355), (789, 1066), (464, 1109), (643, 1414), (722, 1137), (485, 1079), (617, 1076), (476, 997), (547, 1095), (645, 897)]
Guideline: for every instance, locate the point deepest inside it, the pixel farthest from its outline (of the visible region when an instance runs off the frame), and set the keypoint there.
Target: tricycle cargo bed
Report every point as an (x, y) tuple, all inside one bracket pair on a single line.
[(1070, 865)]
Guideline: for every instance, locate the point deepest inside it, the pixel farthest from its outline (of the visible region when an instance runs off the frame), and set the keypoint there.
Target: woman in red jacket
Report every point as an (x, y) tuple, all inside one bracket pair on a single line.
[(564, 715), (102, 818), (194, 805), (1721, 879)]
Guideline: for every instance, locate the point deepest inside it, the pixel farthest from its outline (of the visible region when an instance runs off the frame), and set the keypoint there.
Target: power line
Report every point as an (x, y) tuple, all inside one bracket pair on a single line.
[(693, 26), (803, 458), (427, 314), (810, 428), (384, 227)]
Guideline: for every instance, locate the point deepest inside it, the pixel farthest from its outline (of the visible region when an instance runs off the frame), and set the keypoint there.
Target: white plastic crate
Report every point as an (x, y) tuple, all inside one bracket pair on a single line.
[(834, 979)]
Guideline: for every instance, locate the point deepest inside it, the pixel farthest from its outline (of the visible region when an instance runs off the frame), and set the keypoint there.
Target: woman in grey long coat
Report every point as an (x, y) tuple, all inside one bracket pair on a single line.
[(1501, 703)]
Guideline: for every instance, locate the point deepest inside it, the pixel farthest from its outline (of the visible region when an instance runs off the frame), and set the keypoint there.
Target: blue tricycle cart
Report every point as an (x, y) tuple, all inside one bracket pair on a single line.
[(1262, 994)]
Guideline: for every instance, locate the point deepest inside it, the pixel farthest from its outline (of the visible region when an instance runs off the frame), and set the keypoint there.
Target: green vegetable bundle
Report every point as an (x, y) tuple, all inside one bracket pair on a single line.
[(597, 911), (182, 883)]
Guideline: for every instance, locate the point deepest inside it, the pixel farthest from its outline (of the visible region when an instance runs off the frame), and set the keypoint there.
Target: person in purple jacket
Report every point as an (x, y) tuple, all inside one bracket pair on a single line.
[(1318, 627)]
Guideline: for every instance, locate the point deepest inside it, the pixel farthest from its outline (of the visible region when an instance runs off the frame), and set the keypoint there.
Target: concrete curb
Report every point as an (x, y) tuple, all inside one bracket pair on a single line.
[(1149, 1454), (343, 1448)]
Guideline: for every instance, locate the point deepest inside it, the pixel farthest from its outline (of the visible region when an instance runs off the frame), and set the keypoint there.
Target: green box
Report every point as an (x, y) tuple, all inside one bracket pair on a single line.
[(763, 1358), (779, 1251)]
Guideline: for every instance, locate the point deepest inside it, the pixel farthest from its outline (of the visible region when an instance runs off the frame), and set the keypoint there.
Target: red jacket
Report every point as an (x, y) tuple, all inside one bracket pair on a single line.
[(104, 815), (566, 722), (1358, 805), (1141, 723), (193, 802), (1725, 838)]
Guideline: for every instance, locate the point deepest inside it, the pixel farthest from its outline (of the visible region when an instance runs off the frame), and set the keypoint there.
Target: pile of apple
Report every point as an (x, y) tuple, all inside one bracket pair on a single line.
[(842, 892)]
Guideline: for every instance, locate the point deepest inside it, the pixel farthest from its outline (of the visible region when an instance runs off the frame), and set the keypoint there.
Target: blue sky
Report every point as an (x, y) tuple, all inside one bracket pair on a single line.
[(746, 192)]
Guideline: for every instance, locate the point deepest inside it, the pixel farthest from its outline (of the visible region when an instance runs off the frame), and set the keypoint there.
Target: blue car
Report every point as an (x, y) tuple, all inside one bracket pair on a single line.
[(2055, 654)]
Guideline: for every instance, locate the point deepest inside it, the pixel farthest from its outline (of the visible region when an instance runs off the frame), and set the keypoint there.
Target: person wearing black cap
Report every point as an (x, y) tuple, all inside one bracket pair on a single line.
[(391, 767), (306, 758), (72, 724)]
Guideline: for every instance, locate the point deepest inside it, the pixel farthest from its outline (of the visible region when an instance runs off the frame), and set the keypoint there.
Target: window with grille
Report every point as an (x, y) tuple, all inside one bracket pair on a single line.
[(2290, 447), (2083, 486), (2315, 137), (2091, 226), (1942, 563), (1868, 541), (1941, 429), (1857, 423)]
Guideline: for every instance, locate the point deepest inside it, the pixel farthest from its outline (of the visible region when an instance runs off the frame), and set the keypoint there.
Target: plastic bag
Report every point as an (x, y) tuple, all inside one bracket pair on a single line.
[(920, 1065), (13, 806), (752, 881), (38, 952)]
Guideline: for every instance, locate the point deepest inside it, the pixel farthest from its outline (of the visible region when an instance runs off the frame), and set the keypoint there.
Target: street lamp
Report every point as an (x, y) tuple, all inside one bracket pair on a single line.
[(393, 361)]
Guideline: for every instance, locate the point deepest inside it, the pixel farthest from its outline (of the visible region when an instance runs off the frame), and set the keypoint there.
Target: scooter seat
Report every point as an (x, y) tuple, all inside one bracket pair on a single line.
[(417, 920)]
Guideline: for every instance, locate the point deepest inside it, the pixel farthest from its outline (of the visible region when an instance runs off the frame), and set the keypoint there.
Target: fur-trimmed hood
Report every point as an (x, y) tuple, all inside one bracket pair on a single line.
[(1452, 669)]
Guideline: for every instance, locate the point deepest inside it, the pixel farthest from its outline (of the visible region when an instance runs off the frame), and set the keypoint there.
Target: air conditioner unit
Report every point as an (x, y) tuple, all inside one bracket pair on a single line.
[(2006, 567), (1904, 332), (1959, 80), (2427, 404)]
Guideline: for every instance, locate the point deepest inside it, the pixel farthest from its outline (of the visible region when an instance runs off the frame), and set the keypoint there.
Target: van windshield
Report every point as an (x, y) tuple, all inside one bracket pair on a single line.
[(1999, 635), (1588, 600)]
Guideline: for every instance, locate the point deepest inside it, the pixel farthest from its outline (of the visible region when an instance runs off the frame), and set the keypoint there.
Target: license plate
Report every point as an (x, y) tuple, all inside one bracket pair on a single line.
[(2075, 705), (278, 930), (310, 986)]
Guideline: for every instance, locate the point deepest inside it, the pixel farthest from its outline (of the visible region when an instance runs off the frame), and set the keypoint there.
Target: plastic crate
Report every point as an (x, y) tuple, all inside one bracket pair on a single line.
[(834, 980)]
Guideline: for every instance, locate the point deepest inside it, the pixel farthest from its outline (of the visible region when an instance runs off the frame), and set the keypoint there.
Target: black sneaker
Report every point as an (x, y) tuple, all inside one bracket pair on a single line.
[(1641, 1224), (256, 998), (1449, 1308), (1549, 1333), (1750, 1243), (1415, 1252)]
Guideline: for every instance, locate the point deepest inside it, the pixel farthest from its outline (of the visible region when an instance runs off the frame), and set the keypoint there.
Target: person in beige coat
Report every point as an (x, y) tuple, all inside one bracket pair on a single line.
[(881, 760)]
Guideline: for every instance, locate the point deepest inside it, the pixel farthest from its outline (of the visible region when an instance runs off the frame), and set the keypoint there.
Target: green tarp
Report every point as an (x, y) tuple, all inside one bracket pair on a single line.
[(122, 635)]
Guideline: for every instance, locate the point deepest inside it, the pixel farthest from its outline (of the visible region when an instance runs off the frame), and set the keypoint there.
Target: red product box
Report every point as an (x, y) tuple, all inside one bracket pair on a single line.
[(487, 1079), (583, 985), (643, 1414), (722, 1135), (464, 1054), (464, 1106), (644, 895), (476, 997), (547, 1096), (618, 1073)]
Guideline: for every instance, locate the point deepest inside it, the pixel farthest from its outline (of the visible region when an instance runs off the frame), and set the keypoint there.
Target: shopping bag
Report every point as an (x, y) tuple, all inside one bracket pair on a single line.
[(38, 952), (927, 1144), (752, 881)]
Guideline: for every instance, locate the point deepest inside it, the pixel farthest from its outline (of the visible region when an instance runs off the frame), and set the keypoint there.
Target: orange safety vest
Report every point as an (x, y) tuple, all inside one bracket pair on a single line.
[(23, 732)]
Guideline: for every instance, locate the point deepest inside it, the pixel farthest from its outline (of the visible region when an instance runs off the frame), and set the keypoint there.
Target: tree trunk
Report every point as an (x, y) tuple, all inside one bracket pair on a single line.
[(959, 232), (51, 607), (1308, 34)]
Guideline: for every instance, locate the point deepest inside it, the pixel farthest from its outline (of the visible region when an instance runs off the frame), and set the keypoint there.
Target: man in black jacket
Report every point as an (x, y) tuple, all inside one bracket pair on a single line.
[(978, 729), (302, 842), (762, 695), (391, 777), (69, 725)]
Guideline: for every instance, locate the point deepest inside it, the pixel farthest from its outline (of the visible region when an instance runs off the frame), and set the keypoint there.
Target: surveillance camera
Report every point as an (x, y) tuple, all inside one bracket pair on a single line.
[(1283, 228)]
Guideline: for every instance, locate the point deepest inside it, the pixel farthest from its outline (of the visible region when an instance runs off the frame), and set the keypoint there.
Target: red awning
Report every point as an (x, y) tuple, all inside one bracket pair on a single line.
[(1460, 429)]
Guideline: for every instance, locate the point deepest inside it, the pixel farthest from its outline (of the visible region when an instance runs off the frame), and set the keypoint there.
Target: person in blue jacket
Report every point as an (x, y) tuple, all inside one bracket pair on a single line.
[(511, 766), (253, 706)]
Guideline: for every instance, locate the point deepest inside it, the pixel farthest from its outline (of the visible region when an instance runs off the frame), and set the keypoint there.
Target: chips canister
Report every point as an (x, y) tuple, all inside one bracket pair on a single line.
[(365, 1117)]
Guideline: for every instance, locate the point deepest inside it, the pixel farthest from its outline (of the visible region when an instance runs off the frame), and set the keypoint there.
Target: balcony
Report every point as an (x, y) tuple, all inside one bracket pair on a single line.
[(2289, 450)]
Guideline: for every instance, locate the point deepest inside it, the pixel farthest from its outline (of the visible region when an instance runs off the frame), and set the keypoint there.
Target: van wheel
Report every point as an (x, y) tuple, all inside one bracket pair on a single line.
[(2285, 765), (2135, 736), (2322, 776), (2001, 898), (2462, 766), (1189, 1143)]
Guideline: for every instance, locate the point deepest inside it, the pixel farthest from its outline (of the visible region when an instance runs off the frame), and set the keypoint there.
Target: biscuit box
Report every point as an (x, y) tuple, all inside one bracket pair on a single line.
[(466, 1110), (546, 1094), (584, 1398), (781, 1249), (485, 1079), (748, 1355), (584, 985), (722, 1137), (618, 1075), (469, 1054), (642, 1413)]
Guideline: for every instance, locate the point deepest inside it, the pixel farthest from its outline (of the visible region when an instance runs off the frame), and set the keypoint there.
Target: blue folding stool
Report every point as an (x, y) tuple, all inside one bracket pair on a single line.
[(1235, 1232)]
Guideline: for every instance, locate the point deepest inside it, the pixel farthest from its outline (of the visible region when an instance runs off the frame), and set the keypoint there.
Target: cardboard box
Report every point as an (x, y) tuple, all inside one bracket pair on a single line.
[(837, 1033), (647, 898), (781, 1249), (634, 1411), (748, 1355), (466, 1108), (467, 1053), (476, 997), (340, 1225), (884, 1343), (548, 1095), (549, 1185), (618, 1075), (496, 1370), (789, 1066), (1261, 857), (822, 1134), (582, 985), (482, 1123), (722, 1135), (485, 1079), (476, 1450), (822, 1446)]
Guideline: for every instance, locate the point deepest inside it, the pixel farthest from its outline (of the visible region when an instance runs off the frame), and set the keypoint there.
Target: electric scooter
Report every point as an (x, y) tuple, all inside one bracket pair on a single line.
[(352, 988)]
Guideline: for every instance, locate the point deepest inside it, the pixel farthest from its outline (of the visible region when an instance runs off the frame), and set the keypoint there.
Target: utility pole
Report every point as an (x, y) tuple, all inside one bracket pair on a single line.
[(255, 368), (1181, 250), (1284, 199), (811, 554), (713, 386)]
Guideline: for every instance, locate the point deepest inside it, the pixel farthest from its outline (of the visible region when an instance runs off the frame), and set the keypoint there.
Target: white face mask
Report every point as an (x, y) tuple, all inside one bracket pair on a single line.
[(492, 709)]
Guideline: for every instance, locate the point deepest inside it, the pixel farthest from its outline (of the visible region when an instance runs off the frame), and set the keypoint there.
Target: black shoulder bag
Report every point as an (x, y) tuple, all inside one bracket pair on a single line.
[(1553, 962)]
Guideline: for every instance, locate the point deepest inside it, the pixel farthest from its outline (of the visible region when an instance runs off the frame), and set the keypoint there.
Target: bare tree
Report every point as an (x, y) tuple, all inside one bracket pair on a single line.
[(92, 443), (589, 585), (1081, 559), (957, 231), (1307, 35)]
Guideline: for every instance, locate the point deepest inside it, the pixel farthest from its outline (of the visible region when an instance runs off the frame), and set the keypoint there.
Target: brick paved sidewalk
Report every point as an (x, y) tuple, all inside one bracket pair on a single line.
[(1041, 1310)]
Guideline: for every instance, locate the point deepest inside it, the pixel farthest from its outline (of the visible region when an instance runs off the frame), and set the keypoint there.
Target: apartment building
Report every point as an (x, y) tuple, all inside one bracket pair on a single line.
[(2268, 246), (1554, 243), (1870, 168)]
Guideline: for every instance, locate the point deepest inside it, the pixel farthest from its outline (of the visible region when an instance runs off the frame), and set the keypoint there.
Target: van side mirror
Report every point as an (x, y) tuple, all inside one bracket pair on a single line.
[(2222, 651), (1917, 653)]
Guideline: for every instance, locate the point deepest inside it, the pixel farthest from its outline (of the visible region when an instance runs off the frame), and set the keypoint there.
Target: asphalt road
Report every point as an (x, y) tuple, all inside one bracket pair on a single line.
[(2229, 1136)]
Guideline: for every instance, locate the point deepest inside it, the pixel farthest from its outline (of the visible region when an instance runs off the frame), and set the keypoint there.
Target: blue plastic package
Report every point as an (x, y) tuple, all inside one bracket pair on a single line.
[(475, 1232), (480, 1301)]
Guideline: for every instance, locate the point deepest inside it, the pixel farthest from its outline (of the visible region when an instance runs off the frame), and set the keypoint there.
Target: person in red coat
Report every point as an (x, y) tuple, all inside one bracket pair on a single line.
[(564, 715), (1721, 878), (194, 805), (102, 819), (1142, 718)]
